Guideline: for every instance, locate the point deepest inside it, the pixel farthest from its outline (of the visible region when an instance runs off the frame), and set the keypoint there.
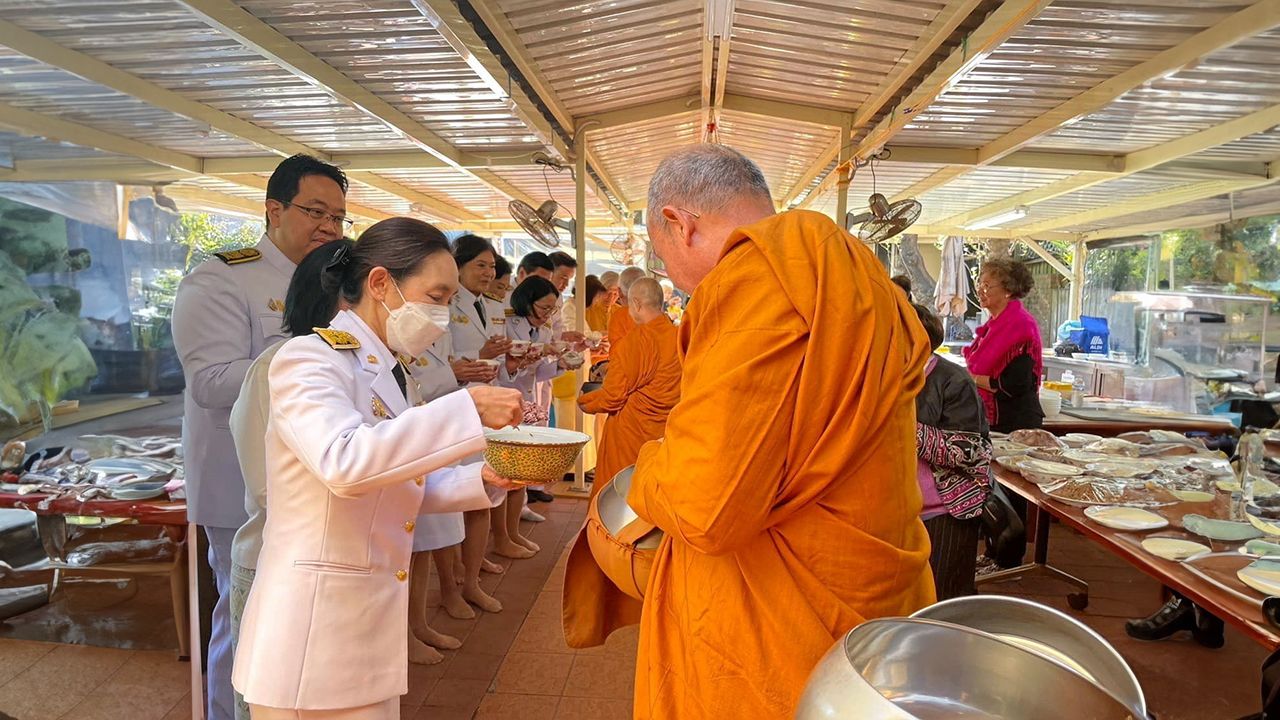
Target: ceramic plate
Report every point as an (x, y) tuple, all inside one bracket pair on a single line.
[(1220, 529), (1195, 496), (139, 493), (1125, 518), (1269, 527), (1260, 547), (1173, 548), (1227, 485), (1263, 576), (1044, 467)]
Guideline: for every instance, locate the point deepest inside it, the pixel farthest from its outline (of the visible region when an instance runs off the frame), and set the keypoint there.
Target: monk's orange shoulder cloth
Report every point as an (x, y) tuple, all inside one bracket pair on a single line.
[(786, 481)]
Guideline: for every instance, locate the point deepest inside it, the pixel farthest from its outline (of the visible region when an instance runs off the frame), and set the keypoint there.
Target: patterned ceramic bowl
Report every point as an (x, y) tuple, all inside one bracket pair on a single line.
[(533, 455)]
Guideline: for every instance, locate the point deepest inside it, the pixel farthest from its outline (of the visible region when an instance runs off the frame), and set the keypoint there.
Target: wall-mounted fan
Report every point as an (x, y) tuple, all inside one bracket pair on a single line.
[(541, 223), (883, 219), (654, 264), (627, 249)]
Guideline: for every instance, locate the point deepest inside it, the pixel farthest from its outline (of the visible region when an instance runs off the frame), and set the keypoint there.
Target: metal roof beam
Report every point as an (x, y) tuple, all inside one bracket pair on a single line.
[(1190, 222), (784, 110), (496, 21), (641, 113), (55, 128), (81, 65), (430, 205), (1154, 201), (1001, 24), (1134, 162), (1032, 159)]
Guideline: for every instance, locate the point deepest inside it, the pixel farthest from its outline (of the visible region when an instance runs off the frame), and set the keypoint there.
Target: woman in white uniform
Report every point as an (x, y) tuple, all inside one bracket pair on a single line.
[(474, 337), (437, 535), (306, 307), (351, 461), (533, 304)]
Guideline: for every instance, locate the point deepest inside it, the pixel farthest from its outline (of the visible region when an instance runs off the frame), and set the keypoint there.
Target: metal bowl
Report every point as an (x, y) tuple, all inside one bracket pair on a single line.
[(591, 387), (1048, 632), (532, 455), (913, 669), (616, 514)]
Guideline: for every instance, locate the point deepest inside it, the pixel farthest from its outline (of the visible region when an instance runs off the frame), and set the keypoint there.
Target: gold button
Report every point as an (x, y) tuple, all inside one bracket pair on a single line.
[(401, 575), (419, 481), (408, 527)]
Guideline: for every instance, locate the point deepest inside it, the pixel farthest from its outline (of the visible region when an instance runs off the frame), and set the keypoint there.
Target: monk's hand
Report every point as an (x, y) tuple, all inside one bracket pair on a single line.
[(470, 371), (573, 337), (497, 407), (495, 346), (491, 477)]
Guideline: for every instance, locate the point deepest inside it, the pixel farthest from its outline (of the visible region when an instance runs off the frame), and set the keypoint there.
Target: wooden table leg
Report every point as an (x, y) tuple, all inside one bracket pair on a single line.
[(179, 578)]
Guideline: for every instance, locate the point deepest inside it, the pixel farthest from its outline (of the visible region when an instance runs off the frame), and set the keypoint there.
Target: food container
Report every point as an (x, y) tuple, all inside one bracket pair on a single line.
[(558, 347), (533, 455), (519, 348), (593, 338), (572, 360), (1050, 403), (1050, 633), (908, 668), (537, 348)]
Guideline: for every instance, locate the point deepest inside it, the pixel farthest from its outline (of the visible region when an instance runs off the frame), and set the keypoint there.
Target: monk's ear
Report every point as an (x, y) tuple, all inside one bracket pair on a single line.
[(681, 223)]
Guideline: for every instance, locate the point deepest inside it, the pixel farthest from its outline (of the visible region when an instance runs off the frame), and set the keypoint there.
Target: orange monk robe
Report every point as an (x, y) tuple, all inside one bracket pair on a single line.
[(620, 323), (786, 482), (598, 317), (641, 387)]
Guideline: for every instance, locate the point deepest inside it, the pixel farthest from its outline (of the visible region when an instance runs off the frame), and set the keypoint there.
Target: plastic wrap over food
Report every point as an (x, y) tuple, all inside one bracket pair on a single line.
[(105, 553)]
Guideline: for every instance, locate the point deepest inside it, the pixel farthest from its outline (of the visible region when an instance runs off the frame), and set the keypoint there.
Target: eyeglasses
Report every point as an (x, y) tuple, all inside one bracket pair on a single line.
[(319, 215), (545, 310)]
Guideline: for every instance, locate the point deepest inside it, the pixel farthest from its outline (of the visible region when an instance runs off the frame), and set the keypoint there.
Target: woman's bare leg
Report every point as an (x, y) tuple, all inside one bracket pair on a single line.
[(420, 653), (473, 546), (503, 544), (450, 592), (515, 503)]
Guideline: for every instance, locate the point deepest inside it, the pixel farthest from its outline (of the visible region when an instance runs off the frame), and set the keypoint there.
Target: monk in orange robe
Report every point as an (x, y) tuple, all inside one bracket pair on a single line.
[(620, 321), (786, 479), (642, 385)]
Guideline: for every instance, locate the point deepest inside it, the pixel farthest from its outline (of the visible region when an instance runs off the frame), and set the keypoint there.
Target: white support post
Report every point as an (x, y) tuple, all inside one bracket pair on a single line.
[(1078, 258), (846, 173), (580, 278)]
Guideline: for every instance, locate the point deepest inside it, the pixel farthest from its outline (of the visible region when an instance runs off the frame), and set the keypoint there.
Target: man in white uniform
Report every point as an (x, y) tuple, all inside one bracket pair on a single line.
[(228, 310)]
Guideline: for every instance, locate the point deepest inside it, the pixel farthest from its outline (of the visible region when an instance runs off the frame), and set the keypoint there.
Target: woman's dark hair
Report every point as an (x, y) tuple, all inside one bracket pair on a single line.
[(501, 267), (533, 288), (1013, 276), (306, 304), (469, 247), (932, 325), (594, 287), (536, 260), (903, 282), (399, 244)]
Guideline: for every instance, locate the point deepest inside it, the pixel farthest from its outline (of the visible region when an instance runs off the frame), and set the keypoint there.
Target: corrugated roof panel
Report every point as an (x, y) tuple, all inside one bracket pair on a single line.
[(452, 187), (980, 187), (1099, 196), (1263, 147), (889, 179), (630, 153), (1072, 46), (823, 52), (783, 163), (1210, 211), (20, 148), (543, 183), (604, 54)]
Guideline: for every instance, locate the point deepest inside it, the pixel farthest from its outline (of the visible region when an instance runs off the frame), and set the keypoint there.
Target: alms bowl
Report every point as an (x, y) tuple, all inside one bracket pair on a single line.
[(532, 455)]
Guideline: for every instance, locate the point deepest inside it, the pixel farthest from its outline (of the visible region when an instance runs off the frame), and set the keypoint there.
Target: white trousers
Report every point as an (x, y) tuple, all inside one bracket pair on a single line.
[(386, 710), (220, 697)]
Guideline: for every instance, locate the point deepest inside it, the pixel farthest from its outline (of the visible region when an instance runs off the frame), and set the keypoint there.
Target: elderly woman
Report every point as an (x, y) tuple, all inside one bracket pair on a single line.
[(1005, 357), (953, 466)]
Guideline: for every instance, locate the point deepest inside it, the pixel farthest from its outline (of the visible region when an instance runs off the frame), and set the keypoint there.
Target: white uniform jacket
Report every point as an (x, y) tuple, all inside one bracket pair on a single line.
[(226, 313), (465, 329), (249, 418), (535, 380), (350, 466)]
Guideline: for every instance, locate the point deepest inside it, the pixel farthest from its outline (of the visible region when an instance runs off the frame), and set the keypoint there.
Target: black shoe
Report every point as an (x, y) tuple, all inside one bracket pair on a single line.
[(1175, 615), (540, 496), (1208, 629)]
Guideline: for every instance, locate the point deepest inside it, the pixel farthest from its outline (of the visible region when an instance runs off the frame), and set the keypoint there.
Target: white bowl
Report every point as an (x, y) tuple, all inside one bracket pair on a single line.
[(1051, 404)]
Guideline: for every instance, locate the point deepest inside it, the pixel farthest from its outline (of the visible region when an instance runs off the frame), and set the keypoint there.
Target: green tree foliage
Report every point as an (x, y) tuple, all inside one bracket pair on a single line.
[(203, 234)]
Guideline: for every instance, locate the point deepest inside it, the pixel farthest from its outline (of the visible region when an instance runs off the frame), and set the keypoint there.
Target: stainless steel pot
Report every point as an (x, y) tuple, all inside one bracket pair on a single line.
[(914, 669), (1049, 632)]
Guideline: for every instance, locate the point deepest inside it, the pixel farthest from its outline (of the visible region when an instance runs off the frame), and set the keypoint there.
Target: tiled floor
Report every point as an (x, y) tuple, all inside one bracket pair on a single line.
[(515, 664)]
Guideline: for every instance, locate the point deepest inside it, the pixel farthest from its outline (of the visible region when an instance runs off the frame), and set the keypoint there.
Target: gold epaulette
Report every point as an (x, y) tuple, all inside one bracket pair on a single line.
[(510, 312), (338, 339), (238, 257), (495, 299)]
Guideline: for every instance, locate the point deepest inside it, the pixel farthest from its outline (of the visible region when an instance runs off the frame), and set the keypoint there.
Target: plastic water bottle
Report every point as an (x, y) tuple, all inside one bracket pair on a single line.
[(1078, 386)]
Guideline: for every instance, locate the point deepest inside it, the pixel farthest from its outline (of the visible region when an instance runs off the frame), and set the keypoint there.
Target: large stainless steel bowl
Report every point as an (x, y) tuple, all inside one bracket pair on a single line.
[(616, 514), (1054, 634), (914, 669)]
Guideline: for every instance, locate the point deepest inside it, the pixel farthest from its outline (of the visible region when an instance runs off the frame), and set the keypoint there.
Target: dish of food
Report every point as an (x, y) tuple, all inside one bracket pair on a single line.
[(1036, 438), (1120, 468), (1125, 518), (1115, 446), (1083, 457), (1175, 549), (1006, 448), (1086, 491), (1012, 463), (1078, 440), (1215, 529), (1045, 467)]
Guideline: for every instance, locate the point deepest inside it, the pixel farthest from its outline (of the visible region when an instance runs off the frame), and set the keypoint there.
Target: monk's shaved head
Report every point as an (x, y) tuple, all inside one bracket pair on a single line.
[(698, 196), (609, 279), (628, 278), (646, 292)]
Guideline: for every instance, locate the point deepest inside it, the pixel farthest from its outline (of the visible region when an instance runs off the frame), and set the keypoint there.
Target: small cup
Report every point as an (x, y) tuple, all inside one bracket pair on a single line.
[(518, 348), (558, 347), (537, 348), (572, 360), (594, 337)]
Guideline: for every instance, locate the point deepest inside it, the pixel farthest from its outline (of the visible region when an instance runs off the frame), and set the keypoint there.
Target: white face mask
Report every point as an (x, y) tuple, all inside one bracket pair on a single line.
[(413, 327)]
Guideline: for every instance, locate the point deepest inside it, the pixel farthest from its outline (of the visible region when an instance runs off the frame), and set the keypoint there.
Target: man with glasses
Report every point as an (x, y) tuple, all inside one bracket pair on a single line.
[(228, 310)]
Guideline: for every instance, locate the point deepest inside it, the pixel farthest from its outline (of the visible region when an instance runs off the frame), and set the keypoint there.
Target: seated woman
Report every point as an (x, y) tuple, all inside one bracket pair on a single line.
[(954, 466), (352, 459), (1005, 357)]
